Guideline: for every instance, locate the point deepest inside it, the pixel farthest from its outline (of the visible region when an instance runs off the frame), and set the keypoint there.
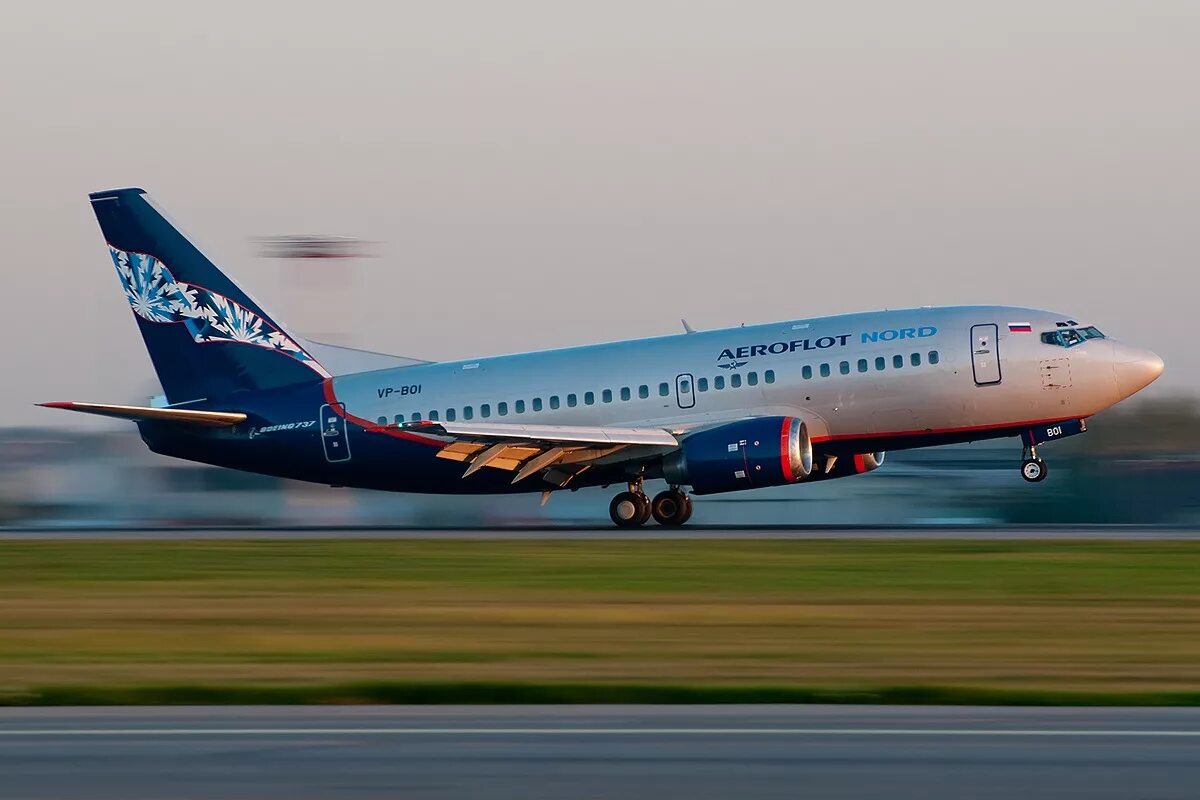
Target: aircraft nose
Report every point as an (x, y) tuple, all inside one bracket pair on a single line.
[(1135, 369)]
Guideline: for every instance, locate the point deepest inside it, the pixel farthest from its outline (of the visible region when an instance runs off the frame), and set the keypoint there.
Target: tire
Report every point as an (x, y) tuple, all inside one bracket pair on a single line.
[(671, 508), (687, 509), (629, 510), (1034, 471)]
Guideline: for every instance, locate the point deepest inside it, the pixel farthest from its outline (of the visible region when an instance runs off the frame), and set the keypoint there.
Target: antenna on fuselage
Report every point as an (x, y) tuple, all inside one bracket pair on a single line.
[(686, 327)]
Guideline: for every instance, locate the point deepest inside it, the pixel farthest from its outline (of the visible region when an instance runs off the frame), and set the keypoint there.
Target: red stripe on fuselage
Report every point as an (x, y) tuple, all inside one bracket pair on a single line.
[(374, 427)]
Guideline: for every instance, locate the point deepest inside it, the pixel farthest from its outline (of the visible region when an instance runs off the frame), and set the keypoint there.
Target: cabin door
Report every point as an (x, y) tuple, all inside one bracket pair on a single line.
[(333, 433), (985, 354)]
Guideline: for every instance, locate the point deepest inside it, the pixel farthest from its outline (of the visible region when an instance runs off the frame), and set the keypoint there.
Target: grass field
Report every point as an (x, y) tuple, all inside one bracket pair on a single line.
[(1111, 621)]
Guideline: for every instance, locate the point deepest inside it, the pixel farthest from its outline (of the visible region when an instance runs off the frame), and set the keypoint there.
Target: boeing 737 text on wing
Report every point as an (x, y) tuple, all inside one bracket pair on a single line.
[(714, 411)]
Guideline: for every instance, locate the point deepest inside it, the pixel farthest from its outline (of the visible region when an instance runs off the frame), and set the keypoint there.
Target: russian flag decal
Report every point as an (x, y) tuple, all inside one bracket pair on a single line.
[(1020, 327)]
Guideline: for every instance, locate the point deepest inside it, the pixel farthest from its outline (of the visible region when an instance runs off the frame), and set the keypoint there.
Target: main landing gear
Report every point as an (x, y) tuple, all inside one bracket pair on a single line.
[(1033, 469), (632, 508)]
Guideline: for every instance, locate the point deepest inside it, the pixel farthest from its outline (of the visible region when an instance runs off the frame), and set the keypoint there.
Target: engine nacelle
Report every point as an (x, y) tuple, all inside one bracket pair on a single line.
[(749, 454), (846, 465)]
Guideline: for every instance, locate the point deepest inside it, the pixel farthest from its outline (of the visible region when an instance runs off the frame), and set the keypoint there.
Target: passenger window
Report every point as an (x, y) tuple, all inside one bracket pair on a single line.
[(824, 370), (701, 384), (685, 387), (572, 401), (934, 357), (844, 367), (664, 389), (416, 417), (537, 404), (643, 391), (606, 396), (625, 393), (399, 419), (554, 401), (502, 409), (382, 420), (433, 416), (752, 379), (485, 410), (915, 359), (719, 382), (769, 375), (862, 365), (468, 413), (880, 363), (519, 406), (589, 398), (450, 415), (735, 381), (897, 361), (805, 372)]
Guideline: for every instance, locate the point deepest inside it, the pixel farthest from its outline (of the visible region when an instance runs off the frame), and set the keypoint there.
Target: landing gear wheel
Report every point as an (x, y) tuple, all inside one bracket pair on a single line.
[(671, 508), (629, 510), (1033, 470), (687, 510)]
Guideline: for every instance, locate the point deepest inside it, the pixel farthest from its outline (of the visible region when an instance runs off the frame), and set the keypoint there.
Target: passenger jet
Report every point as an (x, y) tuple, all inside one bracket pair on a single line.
[(714, 411)]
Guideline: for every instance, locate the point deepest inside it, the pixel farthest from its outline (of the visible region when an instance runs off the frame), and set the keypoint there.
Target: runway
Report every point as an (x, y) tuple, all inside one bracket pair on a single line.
[(600, 751), (602, 532)]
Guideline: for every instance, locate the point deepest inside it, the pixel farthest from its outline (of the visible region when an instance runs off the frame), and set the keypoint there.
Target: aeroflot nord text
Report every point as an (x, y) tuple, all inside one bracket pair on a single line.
[(776, 407)]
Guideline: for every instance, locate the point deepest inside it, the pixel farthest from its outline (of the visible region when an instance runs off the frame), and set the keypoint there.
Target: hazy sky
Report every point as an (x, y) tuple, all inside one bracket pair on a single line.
[(544, 174)]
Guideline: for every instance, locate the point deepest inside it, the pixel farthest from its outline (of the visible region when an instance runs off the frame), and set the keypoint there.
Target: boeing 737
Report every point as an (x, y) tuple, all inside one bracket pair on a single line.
[(792, 402)]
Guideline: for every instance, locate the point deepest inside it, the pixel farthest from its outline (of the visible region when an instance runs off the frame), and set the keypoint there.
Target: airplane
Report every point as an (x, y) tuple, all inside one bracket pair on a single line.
[(714, 411)]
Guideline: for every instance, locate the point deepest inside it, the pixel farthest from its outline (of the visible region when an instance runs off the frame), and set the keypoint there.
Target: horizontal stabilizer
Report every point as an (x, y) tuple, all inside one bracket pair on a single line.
[(212, 419)]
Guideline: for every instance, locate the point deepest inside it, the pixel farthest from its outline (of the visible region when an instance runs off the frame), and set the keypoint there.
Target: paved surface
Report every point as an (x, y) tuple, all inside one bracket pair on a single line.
[(607, 532), (600, 752)]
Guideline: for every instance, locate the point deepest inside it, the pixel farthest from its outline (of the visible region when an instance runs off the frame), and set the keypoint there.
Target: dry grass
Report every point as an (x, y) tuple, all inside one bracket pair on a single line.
[(1013, 615)]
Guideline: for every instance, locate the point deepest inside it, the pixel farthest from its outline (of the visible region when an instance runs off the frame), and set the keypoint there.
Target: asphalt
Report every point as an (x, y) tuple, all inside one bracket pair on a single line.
[(600, 752), (609, 533)]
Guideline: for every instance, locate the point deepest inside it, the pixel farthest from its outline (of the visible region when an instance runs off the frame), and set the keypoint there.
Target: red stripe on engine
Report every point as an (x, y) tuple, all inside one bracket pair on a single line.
[(785, 458), (859, 465)]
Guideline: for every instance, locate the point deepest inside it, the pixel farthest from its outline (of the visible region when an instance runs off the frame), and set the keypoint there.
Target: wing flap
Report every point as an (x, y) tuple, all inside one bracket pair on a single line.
[(557, 452), (212, 419)]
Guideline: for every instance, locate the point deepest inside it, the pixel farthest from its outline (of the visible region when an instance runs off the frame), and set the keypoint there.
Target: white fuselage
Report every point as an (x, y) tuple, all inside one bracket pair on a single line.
[(878, 374)]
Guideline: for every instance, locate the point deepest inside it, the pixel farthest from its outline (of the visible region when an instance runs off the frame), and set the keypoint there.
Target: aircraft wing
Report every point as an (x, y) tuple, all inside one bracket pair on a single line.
[(558, 452)]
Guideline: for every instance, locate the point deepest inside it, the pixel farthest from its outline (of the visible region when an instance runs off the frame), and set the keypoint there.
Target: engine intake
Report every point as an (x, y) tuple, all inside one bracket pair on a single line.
[(749, 454)]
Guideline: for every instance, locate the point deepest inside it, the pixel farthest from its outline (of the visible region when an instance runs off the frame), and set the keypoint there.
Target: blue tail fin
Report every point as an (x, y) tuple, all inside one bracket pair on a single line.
[(206, 337)]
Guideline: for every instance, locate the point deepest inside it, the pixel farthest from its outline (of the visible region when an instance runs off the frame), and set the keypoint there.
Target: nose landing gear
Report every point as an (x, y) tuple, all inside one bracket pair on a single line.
[(630, 509), (1033, 469)]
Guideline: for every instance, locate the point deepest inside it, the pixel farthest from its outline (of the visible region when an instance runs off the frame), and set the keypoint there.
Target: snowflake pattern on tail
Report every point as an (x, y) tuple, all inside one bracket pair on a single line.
[(155, 296)]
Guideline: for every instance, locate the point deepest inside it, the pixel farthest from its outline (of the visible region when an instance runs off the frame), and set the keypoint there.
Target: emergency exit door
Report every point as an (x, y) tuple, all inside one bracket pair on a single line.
[(685, 392), (333, 433), (985, 354)]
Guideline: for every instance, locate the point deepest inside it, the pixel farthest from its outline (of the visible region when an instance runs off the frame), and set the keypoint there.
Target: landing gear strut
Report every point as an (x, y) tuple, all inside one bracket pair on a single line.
[(1033, 469)]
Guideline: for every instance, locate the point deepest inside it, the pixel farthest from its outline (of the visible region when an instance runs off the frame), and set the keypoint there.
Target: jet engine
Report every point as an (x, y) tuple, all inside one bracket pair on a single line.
[(845, 465), (748, 454)]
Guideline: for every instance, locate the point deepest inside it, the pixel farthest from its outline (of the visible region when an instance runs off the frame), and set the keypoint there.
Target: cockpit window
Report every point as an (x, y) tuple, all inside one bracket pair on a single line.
[(1069, 337)]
